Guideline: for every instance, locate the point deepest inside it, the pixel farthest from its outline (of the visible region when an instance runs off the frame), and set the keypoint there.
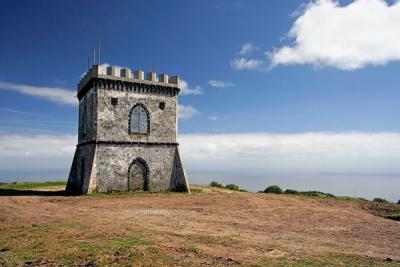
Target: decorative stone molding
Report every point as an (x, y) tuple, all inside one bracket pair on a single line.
[(126, 143)]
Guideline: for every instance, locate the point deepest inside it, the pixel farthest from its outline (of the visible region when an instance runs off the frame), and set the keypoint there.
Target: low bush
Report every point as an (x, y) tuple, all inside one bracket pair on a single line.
[(216, 184), (274, 189), (393, 216), (232, 187), (291, 192), (316, 194), (380, 200)]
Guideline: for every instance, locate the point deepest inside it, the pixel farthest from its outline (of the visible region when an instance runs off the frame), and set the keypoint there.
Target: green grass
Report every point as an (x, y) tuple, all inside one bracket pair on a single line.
[(192, 249), (65, 244), (31, 185), (196, 190)]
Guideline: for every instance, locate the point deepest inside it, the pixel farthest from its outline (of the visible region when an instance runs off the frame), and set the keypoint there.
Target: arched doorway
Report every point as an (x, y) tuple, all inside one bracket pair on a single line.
[(138, 176)]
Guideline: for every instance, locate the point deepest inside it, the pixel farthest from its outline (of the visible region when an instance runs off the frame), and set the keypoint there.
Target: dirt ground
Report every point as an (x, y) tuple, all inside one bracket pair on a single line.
[(214, 227)]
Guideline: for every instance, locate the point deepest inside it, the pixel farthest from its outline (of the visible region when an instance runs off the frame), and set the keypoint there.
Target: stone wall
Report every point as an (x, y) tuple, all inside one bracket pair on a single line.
[(88, 117), (114, 161), (113, 120), (82, 177)]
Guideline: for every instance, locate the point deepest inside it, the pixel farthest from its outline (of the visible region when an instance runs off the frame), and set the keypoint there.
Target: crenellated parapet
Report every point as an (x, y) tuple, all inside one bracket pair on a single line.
[(116, 78)]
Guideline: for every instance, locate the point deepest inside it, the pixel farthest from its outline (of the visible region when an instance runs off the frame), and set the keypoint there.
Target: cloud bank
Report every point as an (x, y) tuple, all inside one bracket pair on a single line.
[(315, 152), (364, 32), (54, 94)]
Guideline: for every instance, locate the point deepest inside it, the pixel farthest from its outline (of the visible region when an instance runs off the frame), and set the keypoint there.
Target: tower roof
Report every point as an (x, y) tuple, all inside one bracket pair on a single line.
[(125, 74)]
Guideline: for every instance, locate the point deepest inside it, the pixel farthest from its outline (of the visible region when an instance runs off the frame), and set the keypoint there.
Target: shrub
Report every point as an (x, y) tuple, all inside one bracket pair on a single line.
[(274, 189), (316, 194), (398, 202), (232, 187), (291, 192), (216, 184), (380, 200)]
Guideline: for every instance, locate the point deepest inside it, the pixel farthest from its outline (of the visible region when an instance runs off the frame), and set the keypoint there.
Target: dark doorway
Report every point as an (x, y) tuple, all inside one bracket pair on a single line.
[(137, 178)]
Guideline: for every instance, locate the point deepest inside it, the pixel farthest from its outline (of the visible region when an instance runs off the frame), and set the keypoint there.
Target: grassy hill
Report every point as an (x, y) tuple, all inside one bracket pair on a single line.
[(212, 226)]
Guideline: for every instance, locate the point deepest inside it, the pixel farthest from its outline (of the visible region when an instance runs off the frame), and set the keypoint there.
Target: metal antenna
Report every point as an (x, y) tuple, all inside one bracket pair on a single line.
[(99, 53), (94, 56), (88, 62)]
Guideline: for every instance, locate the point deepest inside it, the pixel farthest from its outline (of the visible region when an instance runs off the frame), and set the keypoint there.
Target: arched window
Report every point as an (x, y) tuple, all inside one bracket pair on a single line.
[(139, 120)]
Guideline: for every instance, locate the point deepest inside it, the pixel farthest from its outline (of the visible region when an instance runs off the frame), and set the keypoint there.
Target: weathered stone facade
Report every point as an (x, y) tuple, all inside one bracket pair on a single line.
[(127, 133)]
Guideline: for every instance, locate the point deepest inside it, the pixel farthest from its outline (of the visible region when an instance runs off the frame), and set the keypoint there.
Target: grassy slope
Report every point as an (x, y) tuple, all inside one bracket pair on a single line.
[(66, 244)]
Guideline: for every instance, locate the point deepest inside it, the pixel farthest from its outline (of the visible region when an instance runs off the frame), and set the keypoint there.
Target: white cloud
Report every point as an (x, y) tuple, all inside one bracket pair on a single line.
[(28, 155), (246, 64), (364, 32), (187, 112), (246, 49), (318, 152), (220, 84), (55, 94), (187, 90), (213, 118)]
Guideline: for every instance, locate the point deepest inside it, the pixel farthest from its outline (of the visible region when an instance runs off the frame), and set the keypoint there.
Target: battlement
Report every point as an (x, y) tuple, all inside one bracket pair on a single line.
[(126, 74)]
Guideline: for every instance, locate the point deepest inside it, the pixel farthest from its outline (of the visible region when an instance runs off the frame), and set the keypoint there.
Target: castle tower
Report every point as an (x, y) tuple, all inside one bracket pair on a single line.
[(127, 133)]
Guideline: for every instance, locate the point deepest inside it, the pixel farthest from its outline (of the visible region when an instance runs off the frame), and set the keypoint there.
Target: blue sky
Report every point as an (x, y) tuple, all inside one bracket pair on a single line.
[(236, 43)]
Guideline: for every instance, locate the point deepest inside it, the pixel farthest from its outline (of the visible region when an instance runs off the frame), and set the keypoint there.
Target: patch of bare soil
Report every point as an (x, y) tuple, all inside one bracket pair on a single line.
[(215, 227)]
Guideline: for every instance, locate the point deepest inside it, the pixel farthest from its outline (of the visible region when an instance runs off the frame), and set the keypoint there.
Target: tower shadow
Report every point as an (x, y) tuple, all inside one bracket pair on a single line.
[(16, 192)]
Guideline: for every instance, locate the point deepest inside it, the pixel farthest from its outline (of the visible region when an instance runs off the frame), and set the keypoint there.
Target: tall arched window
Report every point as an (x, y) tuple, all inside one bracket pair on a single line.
[(139, 120)]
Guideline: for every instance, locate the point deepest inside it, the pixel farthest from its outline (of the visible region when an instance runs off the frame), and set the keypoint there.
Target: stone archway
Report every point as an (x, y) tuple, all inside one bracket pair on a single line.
[(138, 175)]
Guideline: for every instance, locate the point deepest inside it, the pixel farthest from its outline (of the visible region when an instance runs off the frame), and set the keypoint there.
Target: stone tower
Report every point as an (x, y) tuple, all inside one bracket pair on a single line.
[(127, 133)]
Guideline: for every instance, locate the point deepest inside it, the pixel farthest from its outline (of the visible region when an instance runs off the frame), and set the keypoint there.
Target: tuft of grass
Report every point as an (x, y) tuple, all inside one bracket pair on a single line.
[(32, 185), (196, 190), (192, 249), (214, 240)]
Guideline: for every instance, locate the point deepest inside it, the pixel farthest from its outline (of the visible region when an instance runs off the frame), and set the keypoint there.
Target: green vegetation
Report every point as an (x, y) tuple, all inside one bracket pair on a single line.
[(216, 184), (291, 192), (196, 190), (232, 187), (31, 185), (273, 189), (393, 216), (380, 200), (65, 244), (192, 249)]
